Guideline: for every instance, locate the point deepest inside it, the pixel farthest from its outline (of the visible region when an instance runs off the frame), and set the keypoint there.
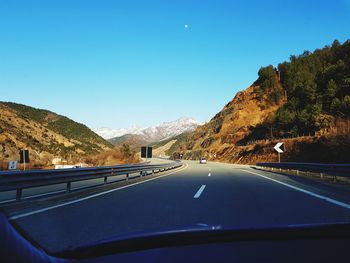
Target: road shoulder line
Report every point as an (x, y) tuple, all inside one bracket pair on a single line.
[(324, 198)]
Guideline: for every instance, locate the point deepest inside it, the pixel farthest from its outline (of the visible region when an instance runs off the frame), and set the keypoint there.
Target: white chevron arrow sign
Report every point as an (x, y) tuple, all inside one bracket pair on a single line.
[(277, 147)]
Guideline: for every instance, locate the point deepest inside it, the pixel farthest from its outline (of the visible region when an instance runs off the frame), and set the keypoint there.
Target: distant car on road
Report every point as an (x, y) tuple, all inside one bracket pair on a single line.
[(203, 160)]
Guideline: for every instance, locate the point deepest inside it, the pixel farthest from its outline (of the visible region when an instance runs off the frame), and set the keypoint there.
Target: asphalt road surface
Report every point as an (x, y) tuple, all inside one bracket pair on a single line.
[(197, 195)]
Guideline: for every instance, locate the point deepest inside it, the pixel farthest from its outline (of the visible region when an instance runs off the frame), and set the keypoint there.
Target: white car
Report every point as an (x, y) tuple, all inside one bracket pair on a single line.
[(202, 160)]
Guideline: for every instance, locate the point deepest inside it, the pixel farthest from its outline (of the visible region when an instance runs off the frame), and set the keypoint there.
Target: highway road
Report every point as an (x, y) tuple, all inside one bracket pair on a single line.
[(197, 195)]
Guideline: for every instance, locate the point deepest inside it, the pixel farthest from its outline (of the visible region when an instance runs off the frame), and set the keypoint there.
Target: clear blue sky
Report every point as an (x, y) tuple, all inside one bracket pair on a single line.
[(118, 63)]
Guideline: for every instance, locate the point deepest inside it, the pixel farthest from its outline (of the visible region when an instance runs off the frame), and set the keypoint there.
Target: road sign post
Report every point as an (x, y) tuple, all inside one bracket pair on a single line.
[(24, 158), (279, 157), (146, 152), (277, 148), (24, 161)]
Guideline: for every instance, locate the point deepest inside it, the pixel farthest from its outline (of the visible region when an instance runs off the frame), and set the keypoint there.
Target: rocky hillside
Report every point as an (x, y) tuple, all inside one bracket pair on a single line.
[(304, 103), (45, 134), (135, 141), (231, 127)]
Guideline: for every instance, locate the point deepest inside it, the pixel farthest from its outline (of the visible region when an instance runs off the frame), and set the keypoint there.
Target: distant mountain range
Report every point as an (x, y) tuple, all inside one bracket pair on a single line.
[(151, 134)]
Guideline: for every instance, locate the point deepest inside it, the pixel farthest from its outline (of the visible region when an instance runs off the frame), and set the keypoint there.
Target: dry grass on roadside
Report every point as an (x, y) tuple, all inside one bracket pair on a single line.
[(118, 155)]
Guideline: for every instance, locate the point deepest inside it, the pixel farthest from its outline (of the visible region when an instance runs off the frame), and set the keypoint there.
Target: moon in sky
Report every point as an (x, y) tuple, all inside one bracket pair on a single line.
[(186, 26)]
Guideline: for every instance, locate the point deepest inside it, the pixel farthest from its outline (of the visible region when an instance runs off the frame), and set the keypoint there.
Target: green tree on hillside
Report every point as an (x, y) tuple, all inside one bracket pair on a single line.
[(268, 83), (318, 85), (267, 77)]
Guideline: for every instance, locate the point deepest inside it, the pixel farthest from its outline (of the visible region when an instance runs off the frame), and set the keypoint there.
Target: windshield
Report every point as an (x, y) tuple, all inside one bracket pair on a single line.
[(127, 118)]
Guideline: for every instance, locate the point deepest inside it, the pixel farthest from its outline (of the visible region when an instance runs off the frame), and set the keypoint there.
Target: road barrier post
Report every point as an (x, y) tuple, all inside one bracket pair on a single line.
[(18, 194)]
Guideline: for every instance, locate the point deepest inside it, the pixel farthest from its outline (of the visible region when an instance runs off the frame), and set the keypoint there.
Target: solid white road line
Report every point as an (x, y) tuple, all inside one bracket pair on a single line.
[(7, 201), (324, 198), (33, 196), (199, 192), (90, 196), (49, 193)]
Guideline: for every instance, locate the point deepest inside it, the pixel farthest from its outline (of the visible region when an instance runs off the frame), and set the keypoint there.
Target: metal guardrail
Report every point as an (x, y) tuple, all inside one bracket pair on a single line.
[(19, 180), (342, 170)]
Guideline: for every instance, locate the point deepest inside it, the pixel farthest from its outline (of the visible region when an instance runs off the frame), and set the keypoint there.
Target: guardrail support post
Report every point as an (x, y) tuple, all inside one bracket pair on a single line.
[(141, 174), (152, 171), (321, 174), (127, 177), (335, 178), (105, 180), (18, 194), (68, 187)]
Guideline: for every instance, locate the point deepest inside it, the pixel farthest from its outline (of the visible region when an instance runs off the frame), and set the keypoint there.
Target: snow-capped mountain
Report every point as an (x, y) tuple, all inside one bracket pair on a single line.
[(155, 133), (168, 130), (108, 133)]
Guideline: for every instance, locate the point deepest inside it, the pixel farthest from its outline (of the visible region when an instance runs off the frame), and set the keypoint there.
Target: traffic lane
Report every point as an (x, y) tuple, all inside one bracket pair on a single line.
[(332, 190), (240, 199), (230, 198), (165, 212), (144, 207)]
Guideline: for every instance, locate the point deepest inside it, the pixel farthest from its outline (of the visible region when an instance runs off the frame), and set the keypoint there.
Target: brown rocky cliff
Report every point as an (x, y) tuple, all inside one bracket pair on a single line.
[(229, 128)]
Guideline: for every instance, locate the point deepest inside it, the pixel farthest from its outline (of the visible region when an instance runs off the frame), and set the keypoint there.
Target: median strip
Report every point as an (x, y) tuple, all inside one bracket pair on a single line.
[(199, 192)]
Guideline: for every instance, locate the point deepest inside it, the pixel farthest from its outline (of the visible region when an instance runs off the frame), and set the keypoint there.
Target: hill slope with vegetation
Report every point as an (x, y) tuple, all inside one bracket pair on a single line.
[(45, 134), (318, 88), (305, 103)]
